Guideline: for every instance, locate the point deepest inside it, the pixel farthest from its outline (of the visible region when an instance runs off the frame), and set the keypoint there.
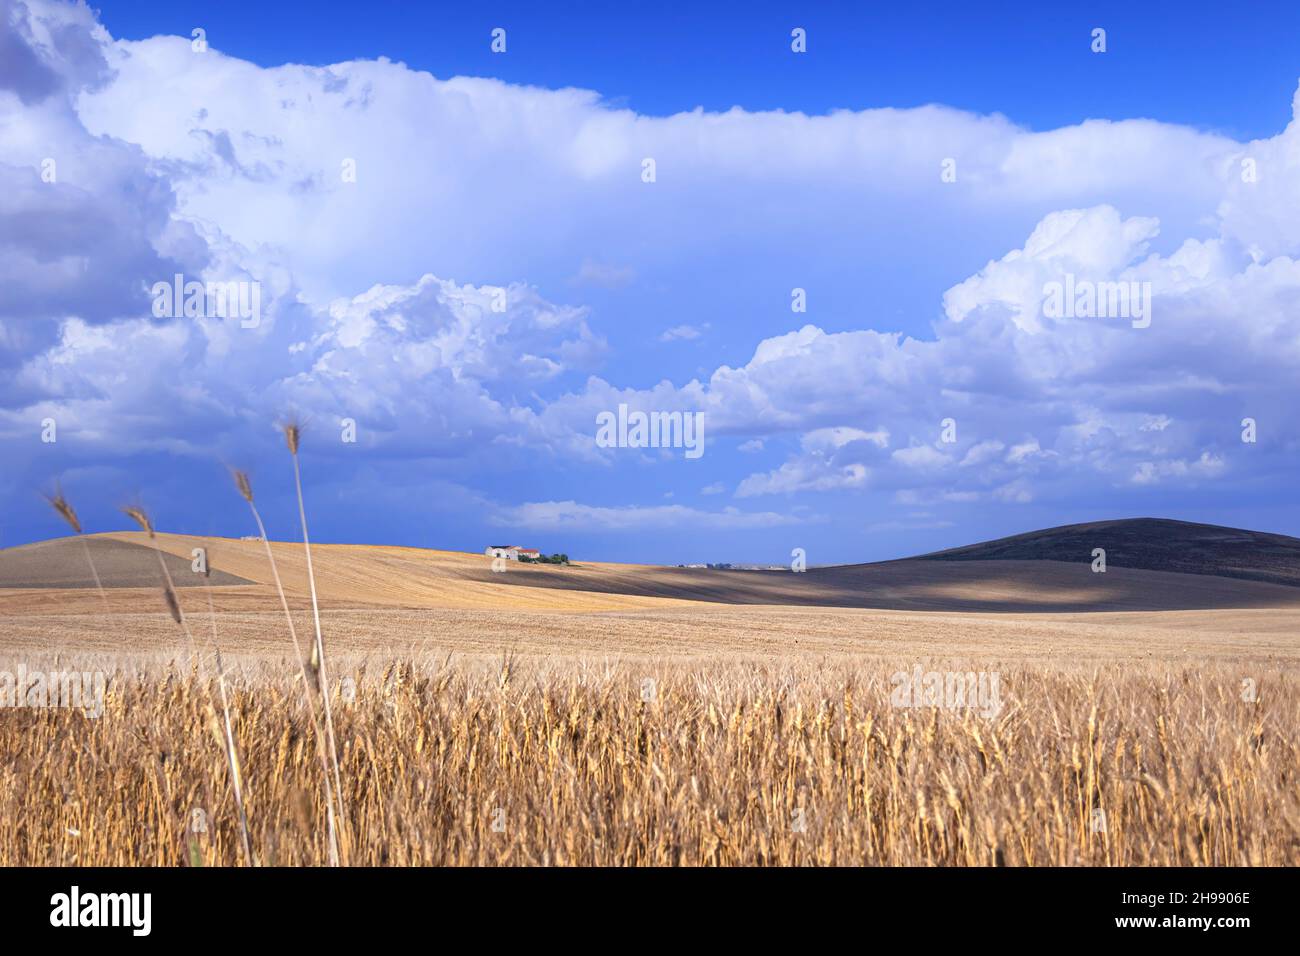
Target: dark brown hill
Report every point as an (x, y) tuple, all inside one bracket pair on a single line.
[(1149, 544)]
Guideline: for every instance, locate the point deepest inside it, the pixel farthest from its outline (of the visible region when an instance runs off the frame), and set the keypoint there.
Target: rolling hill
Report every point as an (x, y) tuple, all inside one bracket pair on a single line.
[(1150, 544), (62, 563), (1153, 565)]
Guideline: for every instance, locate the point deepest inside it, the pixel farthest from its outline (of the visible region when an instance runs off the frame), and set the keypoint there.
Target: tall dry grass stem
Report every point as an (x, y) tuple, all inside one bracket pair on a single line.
[(65, 510), (310, 683), (292, 438), (141, 517)]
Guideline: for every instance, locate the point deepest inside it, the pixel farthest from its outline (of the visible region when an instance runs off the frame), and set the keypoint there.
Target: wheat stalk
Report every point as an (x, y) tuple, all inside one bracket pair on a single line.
[(246, 492), (292, 438), (61, 504), (141, 517)]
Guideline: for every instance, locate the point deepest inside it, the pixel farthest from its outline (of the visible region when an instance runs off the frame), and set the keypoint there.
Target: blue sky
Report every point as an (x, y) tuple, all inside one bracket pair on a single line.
[(522, 172), (1177, 62)]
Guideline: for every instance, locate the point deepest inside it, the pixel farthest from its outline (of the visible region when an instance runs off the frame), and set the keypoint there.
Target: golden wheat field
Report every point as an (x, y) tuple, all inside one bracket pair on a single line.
[(720, 764), (616, 715)]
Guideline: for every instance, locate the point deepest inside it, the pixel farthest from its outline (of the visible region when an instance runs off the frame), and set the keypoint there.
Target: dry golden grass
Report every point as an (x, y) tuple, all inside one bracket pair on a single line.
[(569, 763)]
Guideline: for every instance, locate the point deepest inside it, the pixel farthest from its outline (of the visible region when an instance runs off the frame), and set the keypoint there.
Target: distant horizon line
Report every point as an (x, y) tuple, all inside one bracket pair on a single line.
[(694, 565)]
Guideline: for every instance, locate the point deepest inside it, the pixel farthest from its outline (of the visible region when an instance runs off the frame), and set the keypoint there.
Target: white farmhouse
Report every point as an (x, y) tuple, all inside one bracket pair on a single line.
[(512, 552)]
